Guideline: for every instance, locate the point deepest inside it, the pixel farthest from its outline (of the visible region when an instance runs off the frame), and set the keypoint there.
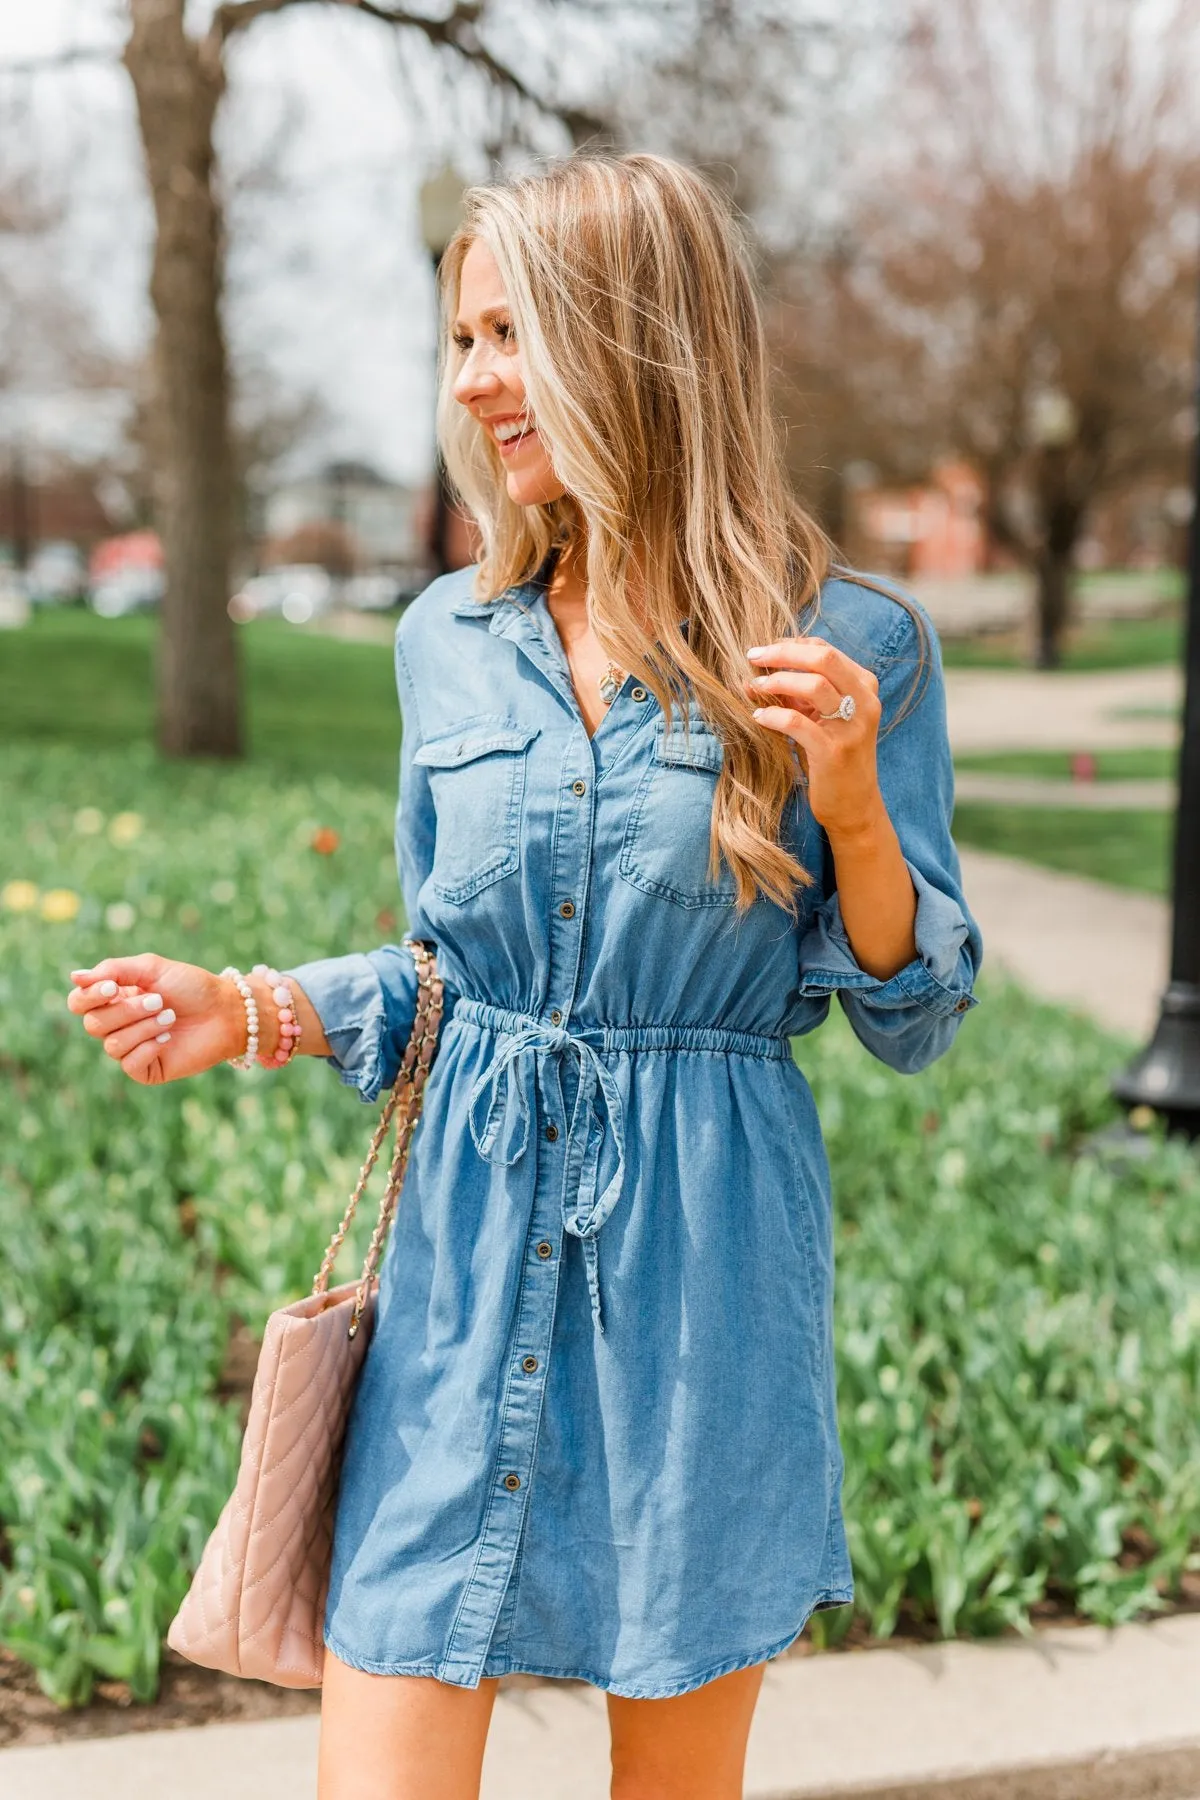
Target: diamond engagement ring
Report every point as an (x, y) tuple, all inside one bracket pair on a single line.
[(845, 709)]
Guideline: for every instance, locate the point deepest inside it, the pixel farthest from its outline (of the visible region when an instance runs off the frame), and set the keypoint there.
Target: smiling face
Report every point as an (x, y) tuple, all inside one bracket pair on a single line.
[(489, 381)]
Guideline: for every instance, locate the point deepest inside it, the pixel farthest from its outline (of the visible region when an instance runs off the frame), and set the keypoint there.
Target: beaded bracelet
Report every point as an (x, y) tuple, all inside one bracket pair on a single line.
[(289, 1024), (246, 1061)]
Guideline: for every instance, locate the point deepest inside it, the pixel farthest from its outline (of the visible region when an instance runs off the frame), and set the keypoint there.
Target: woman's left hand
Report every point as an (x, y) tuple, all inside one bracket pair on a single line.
[(804, 677)]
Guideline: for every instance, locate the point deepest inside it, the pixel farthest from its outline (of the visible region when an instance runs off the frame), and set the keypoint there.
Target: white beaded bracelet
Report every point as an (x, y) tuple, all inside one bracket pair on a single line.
[(245, 1061)]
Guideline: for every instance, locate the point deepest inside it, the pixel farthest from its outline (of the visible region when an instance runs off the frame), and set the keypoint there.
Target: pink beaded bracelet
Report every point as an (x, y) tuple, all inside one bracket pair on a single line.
[(289, 1024)]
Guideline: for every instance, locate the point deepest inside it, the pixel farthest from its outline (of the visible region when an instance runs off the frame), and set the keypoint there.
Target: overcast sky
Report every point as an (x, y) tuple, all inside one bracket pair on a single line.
[(330, 285)]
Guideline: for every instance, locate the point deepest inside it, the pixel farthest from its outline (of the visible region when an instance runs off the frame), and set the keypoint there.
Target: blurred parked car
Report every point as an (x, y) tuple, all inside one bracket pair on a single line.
[(126, 574), (374, 592), (299, 592), (125, 591), (56, 573)]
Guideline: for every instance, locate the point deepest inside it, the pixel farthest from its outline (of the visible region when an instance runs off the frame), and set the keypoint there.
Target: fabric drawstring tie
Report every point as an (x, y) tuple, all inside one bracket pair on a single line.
[(583, 1214)]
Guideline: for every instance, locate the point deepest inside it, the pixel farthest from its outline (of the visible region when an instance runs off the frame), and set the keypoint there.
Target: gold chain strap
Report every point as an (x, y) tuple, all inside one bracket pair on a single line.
[(406, 1094)]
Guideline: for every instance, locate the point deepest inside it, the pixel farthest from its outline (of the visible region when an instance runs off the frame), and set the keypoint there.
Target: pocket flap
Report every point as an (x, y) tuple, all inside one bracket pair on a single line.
[(450, 749), (700, 749)]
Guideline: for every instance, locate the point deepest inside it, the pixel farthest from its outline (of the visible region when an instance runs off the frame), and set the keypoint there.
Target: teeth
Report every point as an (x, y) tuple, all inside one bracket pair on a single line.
[(513, 429)]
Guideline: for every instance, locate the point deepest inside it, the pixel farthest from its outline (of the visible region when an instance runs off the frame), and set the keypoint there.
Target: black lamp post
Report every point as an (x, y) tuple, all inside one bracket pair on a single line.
[(1166, 1075), (441, 212)]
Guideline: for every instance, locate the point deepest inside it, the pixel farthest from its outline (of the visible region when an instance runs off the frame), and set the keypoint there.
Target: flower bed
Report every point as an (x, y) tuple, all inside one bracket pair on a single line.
[(1018, 1327)]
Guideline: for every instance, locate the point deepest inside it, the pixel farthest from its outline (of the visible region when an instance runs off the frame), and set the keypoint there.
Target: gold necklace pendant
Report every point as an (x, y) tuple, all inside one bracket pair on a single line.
[(610, 683)]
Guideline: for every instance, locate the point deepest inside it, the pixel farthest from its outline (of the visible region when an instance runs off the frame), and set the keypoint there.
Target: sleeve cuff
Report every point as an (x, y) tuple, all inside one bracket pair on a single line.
[(932, 979), (348, 996)]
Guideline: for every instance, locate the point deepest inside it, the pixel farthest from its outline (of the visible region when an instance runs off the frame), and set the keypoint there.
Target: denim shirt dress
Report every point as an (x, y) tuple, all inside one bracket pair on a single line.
[(595, 1434)]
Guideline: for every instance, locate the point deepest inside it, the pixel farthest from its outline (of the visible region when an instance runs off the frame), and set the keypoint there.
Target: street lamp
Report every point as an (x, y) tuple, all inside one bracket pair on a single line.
[(1166, 1076), (441, 214)]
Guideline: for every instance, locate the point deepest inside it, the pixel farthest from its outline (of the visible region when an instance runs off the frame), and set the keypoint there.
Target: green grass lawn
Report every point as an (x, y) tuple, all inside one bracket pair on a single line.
[(1017, 1320), (1095, 645), (1130, 849), (1111, 765), (313, 703)]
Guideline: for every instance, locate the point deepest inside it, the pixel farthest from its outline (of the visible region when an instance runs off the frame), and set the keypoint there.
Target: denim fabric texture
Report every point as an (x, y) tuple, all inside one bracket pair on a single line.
[(595, 1434)]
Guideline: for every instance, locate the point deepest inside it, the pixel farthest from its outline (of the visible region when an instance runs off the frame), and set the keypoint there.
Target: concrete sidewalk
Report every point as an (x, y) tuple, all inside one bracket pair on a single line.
[(1078, 1711), (1101, 950), (1094, 796), (1022, 709)]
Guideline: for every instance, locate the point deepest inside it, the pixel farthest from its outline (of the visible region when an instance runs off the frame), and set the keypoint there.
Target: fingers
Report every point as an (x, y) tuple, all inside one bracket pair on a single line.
[(807, 731), (148, 1062), (101, 1017), (101, 994), (127, 971), (147, 1030), (798, 687), (815, 736), (120, 1004), (819, 658)]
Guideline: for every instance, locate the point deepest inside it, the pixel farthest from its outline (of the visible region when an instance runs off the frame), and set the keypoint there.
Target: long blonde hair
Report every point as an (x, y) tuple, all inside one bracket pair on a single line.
[(645, 364)]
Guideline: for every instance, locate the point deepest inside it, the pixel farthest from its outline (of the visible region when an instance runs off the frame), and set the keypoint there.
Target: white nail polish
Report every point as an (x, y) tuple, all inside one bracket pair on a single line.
[(107, 988), (165, 1018), (152, 1002), (164, 1037)]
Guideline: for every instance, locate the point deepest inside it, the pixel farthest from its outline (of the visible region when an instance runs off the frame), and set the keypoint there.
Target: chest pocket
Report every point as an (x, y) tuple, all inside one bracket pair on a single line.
[(665, 847), (477, 779)]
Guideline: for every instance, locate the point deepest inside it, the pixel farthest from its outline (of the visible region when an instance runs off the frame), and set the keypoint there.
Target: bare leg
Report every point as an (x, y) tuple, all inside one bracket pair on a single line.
[(400, 1737), (689, 1747)]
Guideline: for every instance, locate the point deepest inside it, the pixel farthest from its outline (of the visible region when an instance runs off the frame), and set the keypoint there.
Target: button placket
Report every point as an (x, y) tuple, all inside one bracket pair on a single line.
[(486, 1613), (483, 1619)]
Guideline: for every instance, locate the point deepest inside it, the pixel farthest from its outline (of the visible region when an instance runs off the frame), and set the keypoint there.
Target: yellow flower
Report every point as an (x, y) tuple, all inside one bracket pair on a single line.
[(89, 820), (59, 905), (124, 827), (19, 896)]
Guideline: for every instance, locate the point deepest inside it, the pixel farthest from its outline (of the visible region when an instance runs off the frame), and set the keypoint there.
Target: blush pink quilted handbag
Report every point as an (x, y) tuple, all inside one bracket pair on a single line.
[(256, 1605)]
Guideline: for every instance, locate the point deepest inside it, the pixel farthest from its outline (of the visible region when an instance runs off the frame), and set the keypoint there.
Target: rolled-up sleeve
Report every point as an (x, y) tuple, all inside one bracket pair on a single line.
[(366, 1001), (911, 1018)]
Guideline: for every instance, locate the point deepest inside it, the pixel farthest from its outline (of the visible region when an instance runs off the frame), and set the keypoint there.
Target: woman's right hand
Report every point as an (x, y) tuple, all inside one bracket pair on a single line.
[(206, 1022)]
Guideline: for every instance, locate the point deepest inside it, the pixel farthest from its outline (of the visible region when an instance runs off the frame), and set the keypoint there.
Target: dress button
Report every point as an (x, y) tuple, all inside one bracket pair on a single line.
[(567, 909), (512, 1483), (638, 693), (529, 1364), (961, 1004), (552, 1132), (556, 1017), (545, 1249), (579, 787)]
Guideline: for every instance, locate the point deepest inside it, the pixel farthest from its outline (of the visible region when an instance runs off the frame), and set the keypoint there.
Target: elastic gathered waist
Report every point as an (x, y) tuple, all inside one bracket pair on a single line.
[(625, 1037)]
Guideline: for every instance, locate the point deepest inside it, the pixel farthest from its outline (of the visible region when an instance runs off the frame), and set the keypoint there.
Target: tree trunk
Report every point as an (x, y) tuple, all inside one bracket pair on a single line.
[(178, 82), (1061, 517), (1053, 608)]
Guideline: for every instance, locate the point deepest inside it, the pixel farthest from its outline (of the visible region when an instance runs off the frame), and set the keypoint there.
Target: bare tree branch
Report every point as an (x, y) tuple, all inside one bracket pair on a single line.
[(1025, 251), (456, 31)]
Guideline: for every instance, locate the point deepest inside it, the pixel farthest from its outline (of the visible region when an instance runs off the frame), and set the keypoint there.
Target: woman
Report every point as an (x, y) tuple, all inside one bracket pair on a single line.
[(666, 785)]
